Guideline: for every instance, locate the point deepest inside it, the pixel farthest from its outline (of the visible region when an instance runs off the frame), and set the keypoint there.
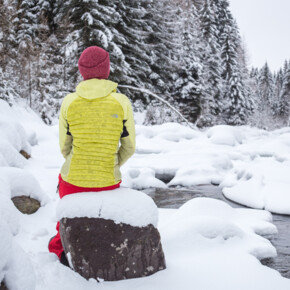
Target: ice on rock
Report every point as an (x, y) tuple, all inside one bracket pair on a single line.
[(122, 205)]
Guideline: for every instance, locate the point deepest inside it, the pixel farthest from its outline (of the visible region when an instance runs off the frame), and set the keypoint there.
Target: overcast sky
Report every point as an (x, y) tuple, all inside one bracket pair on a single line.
[(265, 26)]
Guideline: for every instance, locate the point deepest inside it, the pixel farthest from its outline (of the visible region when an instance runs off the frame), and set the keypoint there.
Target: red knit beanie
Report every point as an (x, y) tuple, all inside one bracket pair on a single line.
[(94, 62)]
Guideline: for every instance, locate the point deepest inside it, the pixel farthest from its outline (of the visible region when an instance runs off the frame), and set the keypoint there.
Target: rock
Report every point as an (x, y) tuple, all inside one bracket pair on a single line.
[(100, 248), (25, 204), (25, 154), (3, 286)]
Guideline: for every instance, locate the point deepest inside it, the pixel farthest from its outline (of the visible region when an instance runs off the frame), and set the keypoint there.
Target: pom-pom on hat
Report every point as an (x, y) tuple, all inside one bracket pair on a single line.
[(94, 62)]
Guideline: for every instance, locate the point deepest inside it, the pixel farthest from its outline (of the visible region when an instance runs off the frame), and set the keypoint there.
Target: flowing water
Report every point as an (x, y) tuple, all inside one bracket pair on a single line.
[(175, 197)]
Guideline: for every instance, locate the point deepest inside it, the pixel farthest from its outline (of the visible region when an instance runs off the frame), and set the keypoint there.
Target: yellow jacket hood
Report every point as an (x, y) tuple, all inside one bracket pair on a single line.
[(95, 88)]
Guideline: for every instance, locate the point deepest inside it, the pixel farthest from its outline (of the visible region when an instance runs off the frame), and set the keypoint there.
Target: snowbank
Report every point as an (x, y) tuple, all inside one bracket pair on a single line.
[(122, 205), (214, 219), (225, 135), (262, 183), (15, 266), (13, 138), (140, 178), (11, 130), (15, 180), (250, 164)]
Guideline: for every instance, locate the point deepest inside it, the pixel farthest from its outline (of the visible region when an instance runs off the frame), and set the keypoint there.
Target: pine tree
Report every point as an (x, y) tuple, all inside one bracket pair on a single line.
[(284, 100), (266, 86), (187, 89), (211, 61), (236, 93), (278, 84), (237, 109), (7, 53), (132, 34)]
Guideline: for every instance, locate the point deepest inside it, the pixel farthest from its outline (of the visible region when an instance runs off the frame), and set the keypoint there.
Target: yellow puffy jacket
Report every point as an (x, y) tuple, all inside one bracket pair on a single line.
[(92, 123)]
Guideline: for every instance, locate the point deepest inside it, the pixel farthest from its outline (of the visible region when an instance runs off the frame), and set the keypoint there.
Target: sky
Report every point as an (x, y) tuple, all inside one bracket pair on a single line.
[(265, 27)]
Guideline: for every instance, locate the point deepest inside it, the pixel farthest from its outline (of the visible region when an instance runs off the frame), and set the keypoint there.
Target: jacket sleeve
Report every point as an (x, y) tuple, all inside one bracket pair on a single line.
[(65, 137), (127, 139)]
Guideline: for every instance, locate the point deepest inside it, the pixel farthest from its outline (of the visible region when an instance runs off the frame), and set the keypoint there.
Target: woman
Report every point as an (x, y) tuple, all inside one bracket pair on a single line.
[(93, 121)]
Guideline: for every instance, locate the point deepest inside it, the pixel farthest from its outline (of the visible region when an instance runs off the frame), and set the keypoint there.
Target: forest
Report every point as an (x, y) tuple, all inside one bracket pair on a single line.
[(188, 52)]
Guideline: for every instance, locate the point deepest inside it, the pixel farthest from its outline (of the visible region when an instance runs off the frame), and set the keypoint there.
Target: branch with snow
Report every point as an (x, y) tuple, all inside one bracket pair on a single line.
[(146, 91)]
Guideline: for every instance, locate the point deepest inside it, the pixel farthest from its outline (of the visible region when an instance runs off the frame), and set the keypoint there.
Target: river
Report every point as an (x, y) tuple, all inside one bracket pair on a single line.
[(175, 197)]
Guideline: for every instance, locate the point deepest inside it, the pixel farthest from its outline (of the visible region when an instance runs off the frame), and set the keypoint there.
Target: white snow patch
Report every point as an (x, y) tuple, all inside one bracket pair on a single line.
[(267, 185), (140, 178), (225, 135), (17, 182), (122, 205)]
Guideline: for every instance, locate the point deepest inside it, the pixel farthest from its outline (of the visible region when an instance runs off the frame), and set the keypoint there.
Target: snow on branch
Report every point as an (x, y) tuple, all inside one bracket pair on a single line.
[(146, 91)]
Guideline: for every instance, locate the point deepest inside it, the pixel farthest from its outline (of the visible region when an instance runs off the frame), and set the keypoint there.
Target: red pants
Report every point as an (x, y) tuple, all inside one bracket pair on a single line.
[(65, 188)]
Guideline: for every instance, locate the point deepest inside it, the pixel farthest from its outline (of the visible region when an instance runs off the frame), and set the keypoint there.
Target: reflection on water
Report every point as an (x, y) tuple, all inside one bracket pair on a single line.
[(175, 197)]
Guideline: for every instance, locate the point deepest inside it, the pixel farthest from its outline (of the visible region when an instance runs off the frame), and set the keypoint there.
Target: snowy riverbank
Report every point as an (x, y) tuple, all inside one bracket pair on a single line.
[(208, 245)]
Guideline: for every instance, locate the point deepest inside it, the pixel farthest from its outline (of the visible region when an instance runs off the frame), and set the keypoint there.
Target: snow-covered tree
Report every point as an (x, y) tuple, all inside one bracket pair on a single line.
[(211, 60), (237, 108), (187, 85), (284, 99)]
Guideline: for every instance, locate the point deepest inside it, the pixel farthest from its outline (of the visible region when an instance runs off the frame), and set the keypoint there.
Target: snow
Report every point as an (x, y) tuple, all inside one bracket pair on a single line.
[(214, 219), (250, 164), (5, 247), (225, 135), (11, 131), (142, 178), (18, 182), (207, 243), (15, 266), (267, 185), (122, 205)]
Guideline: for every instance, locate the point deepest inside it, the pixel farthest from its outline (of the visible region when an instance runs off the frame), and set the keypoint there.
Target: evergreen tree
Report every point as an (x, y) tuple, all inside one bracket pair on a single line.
[(284, 100), (210, 58), (266, 86), (236, 92), (278, 84), (187, 91), (237, 109), (7, 52), (132, 34)]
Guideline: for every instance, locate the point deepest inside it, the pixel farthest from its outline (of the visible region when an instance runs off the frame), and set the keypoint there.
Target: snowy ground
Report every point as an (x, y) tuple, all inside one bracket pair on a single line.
[(208, 245)]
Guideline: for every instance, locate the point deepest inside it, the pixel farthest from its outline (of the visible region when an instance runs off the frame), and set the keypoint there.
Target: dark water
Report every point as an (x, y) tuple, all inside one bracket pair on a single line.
[(175, 197)]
